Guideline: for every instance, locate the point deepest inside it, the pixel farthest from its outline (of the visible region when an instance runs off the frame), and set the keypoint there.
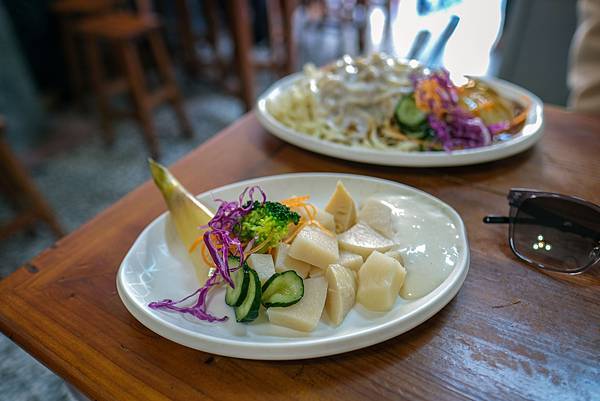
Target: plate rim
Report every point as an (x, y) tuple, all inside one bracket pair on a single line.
[(399, 158), (303, 347)]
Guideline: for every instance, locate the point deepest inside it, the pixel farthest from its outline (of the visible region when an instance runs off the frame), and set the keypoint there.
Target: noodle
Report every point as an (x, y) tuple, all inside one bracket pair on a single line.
[(352, 102)]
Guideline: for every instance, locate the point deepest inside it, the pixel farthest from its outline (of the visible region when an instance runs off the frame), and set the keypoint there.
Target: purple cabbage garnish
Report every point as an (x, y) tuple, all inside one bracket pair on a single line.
[(220, 241), (454, 127)]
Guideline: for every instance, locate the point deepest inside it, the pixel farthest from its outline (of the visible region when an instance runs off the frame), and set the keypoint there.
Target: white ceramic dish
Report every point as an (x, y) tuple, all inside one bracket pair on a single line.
[(531, 133), (156, 267)]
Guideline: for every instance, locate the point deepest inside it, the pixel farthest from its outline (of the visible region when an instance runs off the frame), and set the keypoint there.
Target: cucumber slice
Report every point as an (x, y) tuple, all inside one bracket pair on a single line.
[(408, 114), (241, 279), (283, 289), (248, 310)]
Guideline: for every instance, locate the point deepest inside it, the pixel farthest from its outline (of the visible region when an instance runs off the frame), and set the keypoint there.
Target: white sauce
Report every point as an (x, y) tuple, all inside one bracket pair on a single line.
[(427, 239)]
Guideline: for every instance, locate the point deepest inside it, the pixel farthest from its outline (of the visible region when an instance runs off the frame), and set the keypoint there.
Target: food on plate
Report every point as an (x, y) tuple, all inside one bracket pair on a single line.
[(350, 260), (362, 240), (267, 223), (341, 292), (342, 207), (379, 281), (304, 315), (396, 254), (315, 246), (283, 261), (326, 219), (283, 289), (248, 310), (186, 212), (383, 103), (262, 264), (279, 257), (377, 215)]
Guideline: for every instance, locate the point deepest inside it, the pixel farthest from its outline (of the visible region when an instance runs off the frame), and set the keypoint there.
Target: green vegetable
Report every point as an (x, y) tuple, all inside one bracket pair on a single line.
[(282, 289), (241, 280), (248, 310), (268, 221), (408, 114)]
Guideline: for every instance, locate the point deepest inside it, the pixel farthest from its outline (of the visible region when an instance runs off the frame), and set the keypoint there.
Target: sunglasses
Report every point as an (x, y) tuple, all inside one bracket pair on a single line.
[(552, 231)]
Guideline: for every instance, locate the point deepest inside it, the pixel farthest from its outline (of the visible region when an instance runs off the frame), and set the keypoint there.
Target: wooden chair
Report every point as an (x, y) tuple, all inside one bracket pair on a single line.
[(120, 33), (69, 12), (22, 194), (282, 60)]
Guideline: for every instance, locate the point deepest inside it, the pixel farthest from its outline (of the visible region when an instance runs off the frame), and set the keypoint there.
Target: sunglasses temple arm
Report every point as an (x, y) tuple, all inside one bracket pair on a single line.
[(496, 220), (576, 229)]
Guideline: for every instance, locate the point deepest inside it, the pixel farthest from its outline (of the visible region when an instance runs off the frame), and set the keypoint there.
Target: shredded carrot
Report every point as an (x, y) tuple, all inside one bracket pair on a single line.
[(520, 118), (428, 90), (299, 203), (311, 211), (195, 243), (295, 200), (326, 231)]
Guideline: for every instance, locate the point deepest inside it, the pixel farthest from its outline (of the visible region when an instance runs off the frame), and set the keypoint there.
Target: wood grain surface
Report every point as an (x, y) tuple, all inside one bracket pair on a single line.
[(511, 333)]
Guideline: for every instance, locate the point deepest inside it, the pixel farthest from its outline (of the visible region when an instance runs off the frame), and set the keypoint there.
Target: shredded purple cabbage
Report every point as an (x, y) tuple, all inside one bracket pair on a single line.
[(460, 130), (454, 127), (219, 239), (497, 128), (198, 309)]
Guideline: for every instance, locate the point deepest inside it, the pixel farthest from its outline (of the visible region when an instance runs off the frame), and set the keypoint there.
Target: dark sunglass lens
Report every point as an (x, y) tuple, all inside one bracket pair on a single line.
[(558, 233)]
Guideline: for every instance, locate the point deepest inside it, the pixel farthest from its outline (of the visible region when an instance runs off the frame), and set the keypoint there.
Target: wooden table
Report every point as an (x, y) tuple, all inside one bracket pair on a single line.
[(511, 333)]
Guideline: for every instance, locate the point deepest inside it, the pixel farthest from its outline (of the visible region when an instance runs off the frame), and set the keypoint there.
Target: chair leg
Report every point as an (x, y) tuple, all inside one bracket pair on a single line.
[(188, 38), (239, 20), (94, 58), (23, 187), (69, 43), (211, 15), (165, 69), (287, 8), (135, 77)]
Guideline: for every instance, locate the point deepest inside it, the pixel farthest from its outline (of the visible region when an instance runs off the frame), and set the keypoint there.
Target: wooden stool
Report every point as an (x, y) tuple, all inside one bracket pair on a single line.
[(69, 12), (22, 194), (282, 60), (121, 32), (281, 35), (188, 37)]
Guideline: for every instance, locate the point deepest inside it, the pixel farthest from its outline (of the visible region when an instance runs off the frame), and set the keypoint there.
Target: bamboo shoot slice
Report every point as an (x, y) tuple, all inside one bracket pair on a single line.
[(342, 207), (377, 216), (341, 292), (304, 315), (350, 260), (363, 240), (379, 282), (285, 262), (315, 247), (262, 263)]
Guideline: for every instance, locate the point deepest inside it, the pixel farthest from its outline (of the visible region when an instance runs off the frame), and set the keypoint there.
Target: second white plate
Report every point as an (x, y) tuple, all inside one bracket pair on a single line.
[(156, 267), (529, 135)]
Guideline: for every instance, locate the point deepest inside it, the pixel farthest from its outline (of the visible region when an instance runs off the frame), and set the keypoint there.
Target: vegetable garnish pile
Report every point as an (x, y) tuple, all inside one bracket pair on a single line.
[(239, 229), (455, 117), (289, 259)]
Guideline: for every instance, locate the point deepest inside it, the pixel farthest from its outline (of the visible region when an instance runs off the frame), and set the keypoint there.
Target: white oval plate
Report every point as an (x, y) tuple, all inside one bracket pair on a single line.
[(529, 135), (157, 267)]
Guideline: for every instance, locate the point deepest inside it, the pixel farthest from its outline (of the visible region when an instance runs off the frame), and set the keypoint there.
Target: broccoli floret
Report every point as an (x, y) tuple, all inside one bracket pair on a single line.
[(267, 221)]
